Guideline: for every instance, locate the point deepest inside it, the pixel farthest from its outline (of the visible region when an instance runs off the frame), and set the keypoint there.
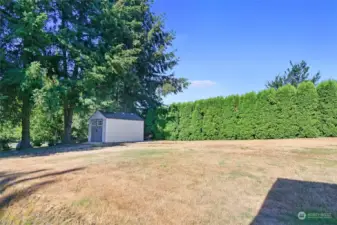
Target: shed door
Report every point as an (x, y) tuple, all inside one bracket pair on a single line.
[(96, 130)]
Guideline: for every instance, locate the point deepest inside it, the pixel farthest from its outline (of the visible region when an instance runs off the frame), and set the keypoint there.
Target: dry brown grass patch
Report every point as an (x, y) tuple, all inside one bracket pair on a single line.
[(204, 182)]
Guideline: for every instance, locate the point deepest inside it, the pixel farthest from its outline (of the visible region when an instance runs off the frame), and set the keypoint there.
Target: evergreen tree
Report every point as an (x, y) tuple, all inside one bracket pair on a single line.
[(197, 120), (247, 116), (208, 128), (229, 116), (212, 118), (110, 55), (155, 123), (266, 114), (172, 123), (137, 66), (307, 110), (185, 118), (294, 75), (327, 93), (286, 110)]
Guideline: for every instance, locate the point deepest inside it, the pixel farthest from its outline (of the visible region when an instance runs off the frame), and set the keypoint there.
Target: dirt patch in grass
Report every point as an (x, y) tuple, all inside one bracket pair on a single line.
[(202, 182)]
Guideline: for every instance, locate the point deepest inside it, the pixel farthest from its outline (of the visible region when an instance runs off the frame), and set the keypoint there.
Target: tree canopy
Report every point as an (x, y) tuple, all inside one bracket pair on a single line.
[(73, 57), (296, 74)]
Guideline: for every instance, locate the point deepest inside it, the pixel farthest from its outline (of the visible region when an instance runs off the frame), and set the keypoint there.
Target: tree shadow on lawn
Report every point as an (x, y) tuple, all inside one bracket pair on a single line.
[(62, 148), (8, 180), (288, 197)]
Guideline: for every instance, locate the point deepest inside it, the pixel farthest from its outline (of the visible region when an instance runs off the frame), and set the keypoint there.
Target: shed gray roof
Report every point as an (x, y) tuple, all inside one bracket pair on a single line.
[(121, 116)]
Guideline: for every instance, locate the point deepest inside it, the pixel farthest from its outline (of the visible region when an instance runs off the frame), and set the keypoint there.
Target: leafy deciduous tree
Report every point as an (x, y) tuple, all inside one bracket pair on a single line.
[(23, 43)]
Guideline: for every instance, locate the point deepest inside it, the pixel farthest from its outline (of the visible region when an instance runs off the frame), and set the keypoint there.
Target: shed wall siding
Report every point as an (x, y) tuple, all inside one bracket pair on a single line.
[(124, 130)]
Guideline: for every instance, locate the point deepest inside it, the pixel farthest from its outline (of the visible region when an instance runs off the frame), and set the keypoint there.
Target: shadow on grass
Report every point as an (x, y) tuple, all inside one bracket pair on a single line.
[(288, 197), (16, 196), (8, 180), (46, 151)]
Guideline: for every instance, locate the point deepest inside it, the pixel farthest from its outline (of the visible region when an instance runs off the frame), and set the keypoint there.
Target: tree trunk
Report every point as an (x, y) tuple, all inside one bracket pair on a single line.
[(25, 135), (68, 113)]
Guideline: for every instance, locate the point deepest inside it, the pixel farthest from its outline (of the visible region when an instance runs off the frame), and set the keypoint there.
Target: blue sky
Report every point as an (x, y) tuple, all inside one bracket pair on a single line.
[(235, 46)]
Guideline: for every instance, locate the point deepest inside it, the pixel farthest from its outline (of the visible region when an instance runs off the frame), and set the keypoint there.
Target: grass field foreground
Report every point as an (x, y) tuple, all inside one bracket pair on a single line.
[(201, 182)]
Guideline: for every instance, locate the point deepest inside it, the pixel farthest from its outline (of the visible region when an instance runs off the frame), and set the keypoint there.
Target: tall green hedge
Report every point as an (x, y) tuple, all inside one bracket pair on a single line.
[(266, 114), (229, 117), (289, 112), (212, 118), (171, 130), (155, 123), (307, 110), (327, 95), (285, 117), (197, 120), (246, 124), (185, 120)]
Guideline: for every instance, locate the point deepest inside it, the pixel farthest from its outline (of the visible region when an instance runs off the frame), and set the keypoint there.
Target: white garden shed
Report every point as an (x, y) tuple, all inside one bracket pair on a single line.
[(108, 127)]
